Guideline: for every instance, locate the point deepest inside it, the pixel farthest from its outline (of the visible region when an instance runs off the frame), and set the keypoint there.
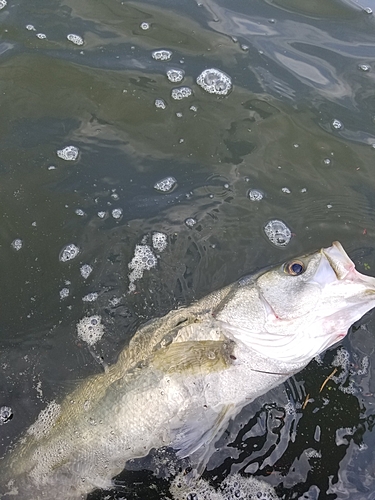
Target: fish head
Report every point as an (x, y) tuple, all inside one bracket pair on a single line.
[(313, 300), (296, 310)]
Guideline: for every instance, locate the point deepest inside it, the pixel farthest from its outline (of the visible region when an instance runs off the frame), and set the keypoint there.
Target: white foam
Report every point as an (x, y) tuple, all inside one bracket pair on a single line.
[(166, 184), (179, 93), (159, 241), (69, 153), (76, 39), (143, 260), (214, 81), (162, 55), (45, 420), (235, 486), (90, 329), (17, 244), (85, 271), (69, 252)]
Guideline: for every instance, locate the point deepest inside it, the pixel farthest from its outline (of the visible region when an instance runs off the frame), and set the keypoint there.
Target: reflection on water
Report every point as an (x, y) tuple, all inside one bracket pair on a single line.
[(133, 181)]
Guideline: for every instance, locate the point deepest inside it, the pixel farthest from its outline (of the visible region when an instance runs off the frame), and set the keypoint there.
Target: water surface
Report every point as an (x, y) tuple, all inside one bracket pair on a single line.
[(298, 126)]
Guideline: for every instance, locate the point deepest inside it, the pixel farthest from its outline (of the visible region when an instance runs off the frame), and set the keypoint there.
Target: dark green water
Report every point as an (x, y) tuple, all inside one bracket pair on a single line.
[(296, 66)]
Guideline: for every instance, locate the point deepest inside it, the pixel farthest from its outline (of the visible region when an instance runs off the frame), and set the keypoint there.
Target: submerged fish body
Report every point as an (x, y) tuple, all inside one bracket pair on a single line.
[(184, 376)]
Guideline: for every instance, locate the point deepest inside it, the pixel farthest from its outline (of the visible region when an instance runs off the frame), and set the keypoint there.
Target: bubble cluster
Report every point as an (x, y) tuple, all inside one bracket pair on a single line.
[(45, 420), (143, 260), (215, 81), (64, 293), (90, 329), (162, 55), (117, 213), (6, 414), (101, 214), (3, 3), (90, 297), (278, 232), (327, 161), (17, 244), (175, 75), (166, 185), (286, 190), (159, 241), (190, 222), (70, 153), (30, 27), (255, 195), (76, 39), (85, 271), (160, 103), (69, 252), (364, 67), (234, 486), (336, 124), (179, 93), (80, 212), (41, 36)]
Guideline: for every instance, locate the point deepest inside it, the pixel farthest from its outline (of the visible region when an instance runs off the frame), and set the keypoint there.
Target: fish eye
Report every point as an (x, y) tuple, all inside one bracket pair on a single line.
[(294, 268)]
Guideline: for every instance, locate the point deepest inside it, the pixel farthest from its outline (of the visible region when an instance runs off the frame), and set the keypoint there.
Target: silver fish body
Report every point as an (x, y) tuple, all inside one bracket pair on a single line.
[(184, 376)]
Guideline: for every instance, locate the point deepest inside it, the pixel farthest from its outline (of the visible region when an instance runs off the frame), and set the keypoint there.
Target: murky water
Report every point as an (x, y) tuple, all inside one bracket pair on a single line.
[(128, 188)]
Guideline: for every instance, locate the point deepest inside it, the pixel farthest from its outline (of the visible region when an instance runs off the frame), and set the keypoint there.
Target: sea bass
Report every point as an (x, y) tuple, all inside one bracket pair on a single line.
[(184, 376)]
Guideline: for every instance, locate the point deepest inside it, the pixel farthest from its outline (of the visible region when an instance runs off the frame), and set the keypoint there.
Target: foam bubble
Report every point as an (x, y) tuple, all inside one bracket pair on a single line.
[(286, 190), (76, 39), (6, 414), (255, 195), (278, 232), (166, 185), (90, 297), (364, 67), (70, 153), (117, 213), (3, 3), (336, 124), (17, 244), (215, 81), (85, 271), (143, 260), (175, 75), (30, 27), (162, 55), (159, 241), (90, 329), (235, 486), (64, 293), (190, 222), (69, 252), (144, 26), (45, 420), (160, 103), (41, 36), (179, 93)]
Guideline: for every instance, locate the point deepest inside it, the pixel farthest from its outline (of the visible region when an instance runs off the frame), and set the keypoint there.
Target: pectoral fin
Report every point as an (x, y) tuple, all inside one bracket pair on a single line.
[(197, 436), (192, 357)]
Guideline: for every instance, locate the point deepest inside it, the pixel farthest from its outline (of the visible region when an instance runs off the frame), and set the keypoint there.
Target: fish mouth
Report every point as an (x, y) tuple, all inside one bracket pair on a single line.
[(344, 267)]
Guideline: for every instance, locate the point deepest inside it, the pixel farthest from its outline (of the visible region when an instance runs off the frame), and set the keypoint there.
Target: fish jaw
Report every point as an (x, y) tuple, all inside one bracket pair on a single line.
[(349, 295)]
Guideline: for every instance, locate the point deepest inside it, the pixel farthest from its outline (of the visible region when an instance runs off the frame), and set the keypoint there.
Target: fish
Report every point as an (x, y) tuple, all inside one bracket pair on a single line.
[(184, 376)]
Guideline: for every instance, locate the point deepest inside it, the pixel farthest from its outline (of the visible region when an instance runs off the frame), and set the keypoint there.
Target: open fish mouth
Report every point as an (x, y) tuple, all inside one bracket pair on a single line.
[(344, 267)]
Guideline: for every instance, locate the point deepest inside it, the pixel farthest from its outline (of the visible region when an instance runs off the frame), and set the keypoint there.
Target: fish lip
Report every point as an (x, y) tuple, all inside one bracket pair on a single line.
[(344, 267)]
